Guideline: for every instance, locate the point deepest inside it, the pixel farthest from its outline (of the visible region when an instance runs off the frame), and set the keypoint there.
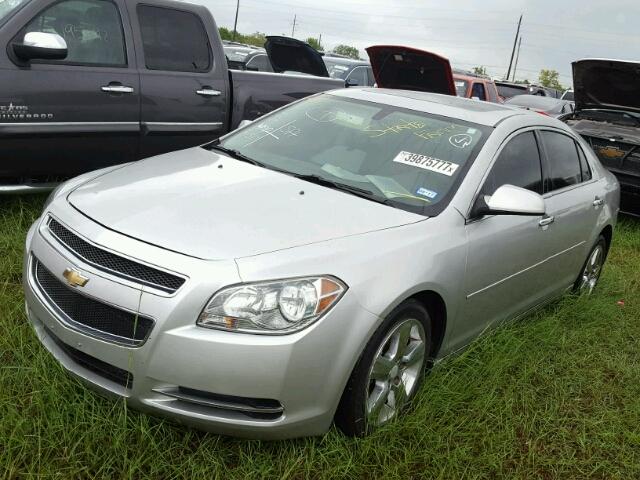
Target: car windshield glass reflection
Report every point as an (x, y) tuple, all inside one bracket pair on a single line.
[(408, 159)]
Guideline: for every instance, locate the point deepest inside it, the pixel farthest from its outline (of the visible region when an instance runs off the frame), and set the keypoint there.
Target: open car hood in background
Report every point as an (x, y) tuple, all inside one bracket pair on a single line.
[(411, 69), (606, 84), (291, 55)]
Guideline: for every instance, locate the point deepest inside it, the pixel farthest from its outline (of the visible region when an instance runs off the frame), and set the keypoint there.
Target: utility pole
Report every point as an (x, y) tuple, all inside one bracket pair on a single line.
[(320, 41), (293, 29), (235, 24), (517, 57), (515, 41)]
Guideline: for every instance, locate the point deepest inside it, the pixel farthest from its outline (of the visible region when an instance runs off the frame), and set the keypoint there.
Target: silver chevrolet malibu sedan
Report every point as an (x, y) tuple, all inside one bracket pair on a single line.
[(308, 267)]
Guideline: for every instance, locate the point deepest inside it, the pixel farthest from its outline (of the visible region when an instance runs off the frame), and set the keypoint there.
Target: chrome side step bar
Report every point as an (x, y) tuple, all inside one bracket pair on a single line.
[(27, 188)]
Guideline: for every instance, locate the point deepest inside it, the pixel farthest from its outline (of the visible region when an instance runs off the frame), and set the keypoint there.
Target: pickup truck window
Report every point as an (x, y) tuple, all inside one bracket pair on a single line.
[(7, 7), (173, 40), (91, 28)]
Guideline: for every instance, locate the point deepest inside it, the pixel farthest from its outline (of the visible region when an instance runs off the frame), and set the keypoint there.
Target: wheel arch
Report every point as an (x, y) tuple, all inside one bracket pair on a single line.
[(607, 233), (437, 308)]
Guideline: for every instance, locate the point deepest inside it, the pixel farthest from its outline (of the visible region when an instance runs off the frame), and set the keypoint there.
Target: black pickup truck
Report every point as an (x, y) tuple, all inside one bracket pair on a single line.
[(90, 83)]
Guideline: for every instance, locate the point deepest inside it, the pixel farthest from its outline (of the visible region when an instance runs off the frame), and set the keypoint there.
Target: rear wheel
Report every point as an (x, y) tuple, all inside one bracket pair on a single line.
[(389, 371), (590, 274)]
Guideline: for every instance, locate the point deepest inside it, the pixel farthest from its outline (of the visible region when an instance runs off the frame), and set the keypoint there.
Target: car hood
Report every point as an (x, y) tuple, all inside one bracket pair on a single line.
[(210, 206), (291, 55), (606, 84), (411, 69)]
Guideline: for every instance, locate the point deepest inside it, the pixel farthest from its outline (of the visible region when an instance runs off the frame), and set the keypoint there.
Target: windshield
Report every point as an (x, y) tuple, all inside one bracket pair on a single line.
[(568, 95), (408, 159), (461, 87), (336, 70), (9, 6)]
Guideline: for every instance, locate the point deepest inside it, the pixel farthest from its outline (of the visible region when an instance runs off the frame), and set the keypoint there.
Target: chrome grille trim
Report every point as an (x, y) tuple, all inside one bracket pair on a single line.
[(146, 324), (112, 263)]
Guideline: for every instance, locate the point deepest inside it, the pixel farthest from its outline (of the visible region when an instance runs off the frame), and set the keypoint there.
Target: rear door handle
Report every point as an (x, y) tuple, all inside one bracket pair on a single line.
[(548, 220), (116, 89), (598, 201), (208, 92)]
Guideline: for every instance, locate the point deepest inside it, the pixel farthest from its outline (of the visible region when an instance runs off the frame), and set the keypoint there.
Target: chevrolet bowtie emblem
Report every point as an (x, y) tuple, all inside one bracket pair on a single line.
[(74, 277)]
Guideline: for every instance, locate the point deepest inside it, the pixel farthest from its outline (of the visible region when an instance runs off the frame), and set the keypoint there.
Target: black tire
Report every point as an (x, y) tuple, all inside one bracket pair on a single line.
[(350, 416), (601, 243)]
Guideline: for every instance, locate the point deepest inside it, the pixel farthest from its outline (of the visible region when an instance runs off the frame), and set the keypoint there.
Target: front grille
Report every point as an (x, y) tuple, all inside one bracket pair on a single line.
[(617, 155), (104, 369), (113, 263), (91, 316)]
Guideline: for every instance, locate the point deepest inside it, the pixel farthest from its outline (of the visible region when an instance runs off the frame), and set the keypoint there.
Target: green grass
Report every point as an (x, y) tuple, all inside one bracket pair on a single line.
[(554, 396)]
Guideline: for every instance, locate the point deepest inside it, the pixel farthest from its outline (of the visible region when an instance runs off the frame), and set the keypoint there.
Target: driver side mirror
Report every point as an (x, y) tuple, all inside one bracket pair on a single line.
[(351, 83), (509, 200), (41, 45)]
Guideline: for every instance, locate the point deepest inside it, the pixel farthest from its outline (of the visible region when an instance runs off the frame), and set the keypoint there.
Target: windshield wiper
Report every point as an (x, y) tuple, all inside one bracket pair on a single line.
[(357, 191), (235, 154)]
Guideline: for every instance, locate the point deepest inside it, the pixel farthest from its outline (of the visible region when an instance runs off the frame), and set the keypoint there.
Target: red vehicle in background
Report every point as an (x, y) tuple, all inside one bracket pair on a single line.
[(480, 87)]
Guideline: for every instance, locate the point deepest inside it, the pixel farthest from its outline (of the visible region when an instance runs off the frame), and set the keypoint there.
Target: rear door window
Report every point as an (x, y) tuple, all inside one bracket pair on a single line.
[(173, 40), (477, 91), (562, 161), (518, 164), (358, 76), (260, 63), (584, 165)]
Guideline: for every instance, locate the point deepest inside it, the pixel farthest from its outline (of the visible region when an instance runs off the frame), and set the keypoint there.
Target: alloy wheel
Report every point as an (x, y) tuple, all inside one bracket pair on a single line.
[(395, 372), (592, 270)]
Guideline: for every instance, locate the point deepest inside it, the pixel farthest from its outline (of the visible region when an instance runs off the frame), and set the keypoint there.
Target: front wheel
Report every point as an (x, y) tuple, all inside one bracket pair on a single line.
[(590, 274), (389, 371)]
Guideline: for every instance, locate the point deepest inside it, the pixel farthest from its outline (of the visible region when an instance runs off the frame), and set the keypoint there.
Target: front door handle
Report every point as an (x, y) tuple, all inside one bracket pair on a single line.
[(116, 89), (547, 220), (208, 92), (598, 201)]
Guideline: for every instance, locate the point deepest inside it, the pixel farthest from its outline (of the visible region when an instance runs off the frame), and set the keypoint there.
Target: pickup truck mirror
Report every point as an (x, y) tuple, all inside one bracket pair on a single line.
[(41, 45), (509, 200)]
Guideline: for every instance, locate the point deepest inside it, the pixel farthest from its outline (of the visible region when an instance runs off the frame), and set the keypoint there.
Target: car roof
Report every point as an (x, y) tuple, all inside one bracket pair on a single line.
[(345, 61), (471, 77), (535, 101), (474, 111)]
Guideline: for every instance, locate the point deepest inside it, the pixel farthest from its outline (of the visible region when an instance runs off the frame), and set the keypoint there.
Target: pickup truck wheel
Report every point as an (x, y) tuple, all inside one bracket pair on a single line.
[(389, 371), (592, 268)]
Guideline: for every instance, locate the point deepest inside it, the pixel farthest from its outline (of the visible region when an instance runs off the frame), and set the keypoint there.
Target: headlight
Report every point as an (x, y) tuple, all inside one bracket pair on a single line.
[(277, 307)]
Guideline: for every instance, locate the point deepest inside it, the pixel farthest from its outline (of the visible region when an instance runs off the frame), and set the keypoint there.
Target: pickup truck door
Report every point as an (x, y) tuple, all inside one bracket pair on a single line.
[(183, 76), (59, 118)]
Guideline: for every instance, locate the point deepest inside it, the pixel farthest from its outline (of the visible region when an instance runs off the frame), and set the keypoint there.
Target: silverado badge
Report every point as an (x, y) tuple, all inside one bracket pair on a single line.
[(74, 277)]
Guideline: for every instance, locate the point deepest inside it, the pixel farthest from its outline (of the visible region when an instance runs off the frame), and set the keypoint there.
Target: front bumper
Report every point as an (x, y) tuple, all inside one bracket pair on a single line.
[(238, 384)]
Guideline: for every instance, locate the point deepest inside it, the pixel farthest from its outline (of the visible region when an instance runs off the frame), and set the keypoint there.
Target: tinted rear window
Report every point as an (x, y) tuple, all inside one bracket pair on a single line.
[(173, 40), (563, 162)]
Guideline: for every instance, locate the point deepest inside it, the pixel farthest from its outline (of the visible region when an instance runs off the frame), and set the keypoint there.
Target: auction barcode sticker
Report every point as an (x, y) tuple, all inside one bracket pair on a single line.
[(428, 163)]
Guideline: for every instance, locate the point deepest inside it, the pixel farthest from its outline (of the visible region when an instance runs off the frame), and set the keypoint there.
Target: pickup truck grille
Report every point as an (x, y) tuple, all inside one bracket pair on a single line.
[(90, 316), (112, 263)]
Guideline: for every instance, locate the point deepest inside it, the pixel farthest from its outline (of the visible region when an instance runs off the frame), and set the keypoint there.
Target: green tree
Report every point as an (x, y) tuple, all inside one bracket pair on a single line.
[(257, 39), (315, 43), (480, 71), (347, 51), (549, 79)]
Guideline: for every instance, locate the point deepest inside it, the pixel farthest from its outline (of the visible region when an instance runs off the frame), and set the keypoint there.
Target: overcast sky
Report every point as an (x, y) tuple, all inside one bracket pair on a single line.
[(469, 33)]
